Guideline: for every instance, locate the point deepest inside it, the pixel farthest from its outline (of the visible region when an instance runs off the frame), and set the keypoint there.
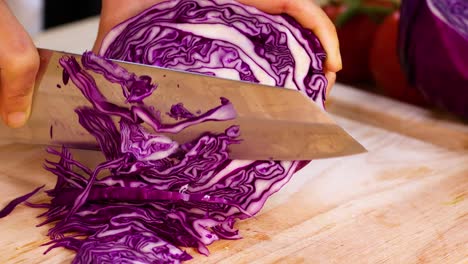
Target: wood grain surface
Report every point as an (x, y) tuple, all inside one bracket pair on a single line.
[(405, 201)]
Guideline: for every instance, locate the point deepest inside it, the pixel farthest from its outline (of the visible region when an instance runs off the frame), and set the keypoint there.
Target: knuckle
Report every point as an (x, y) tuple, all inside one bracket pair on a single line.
[(286, 6), (17, 95), (16, 102), (21, 43), (22, 59), (20, 74), (26, 64), (18, 98)]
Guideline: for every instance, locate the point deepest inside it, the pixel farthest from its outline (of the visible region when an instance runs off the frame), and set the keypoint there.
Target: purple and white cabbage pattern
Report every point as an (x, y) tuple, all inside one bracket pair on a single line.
[(151, 190), (224, 39), (154, 195)]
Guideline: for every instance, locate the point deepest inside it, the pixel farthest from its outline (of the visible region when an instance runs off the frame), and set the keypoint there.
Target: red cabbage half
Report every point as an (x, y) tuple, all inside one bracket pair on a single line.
[(151, 195), (225, 39), (433, 46)]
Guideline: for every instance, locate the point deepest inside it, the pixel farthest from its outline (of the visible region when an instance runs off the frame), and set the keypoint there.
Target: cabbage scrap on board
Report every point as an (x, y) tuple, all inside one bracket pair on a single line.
[(155, 196)]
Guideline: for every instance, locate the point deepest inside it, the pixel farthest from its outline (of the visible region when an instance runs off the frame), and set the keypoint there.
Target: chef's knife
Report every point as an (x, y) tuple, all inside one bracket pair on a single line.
[(275, 123)]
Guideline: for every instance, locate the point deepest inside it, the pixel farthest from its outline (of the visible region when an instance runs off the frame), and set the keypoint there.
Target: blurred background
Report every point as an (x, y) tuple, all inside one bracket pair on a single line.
[(39, 15)]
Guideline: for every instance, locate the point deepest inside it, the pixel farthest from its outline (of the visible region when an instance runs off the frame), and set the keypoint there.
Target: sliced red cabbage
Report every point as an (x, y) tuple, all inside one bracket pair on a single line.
[(226, 39), (15, 202), (178, 111), (131, 247), (143, 145), (152, 195), (135, 88)]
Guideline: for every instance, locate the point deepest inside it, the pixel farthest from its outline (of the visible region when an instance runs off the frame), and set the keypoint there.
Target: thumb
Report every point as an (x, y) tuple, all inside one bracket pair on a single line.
[(19, 64)]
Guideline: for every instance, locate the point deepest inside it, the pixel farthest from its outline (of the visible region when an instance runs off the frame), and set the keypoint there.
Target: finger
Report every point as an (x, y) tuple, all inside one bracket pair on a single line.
[(19, 64), (310, 16), (331, 78)]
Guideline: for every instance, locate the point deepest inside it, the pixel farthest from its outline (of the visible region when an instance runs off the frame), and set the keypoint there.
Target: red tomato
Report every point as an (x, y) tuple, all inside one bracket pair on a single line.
[(355, 38), (385, 65)]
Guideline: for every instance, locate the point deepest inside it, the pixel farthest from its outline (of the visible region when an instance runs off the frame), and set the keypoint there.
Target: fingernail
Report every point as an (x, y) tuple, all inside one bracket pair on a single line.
[(16, 119)]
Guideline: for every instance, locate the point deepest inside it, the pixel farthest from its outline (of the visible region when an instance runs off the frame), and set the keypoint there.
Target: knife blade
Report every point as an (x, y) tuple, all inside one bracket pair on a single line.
[(275, 123)]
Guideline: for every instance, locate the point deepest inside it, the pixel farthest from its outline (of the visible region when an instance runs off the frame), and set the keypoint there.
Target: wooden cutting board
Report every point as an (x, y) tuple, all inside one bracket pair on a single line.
[(405, 201)]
